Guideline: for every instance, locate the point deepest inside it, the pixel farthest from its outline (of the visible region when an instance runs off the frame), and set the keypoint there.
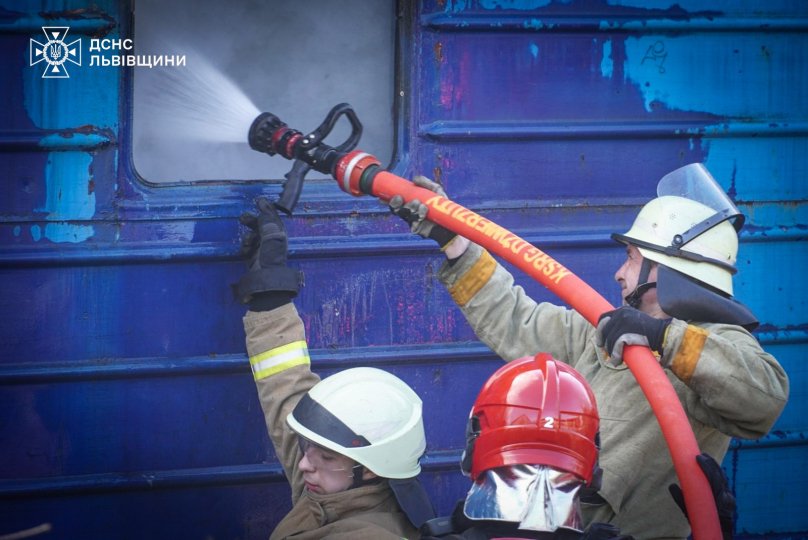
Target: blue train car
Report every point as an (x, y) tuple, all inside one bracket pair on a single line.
[(127, 406)]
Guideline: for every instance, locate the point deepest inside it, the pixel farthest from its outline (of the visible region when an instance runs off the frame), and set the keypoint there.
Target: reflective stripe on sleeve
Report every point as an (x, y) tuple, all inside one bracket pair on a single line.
[(473, 280), (280, 359), (687, 357)]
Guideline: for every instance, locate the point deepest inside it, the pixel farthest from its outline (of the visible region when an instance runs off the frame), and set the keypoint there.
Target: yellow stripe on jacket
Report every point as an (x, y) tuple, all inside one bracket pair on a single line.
[(687, 357), (279, 359), (473, 280)]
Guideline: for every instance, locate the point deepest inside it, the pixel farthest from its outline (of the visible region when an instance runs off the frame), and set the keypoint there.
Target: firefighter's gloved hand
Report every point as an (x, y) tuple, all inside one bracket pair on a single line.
[(269, 282), (724, 499), (414, 213), (629, 326)]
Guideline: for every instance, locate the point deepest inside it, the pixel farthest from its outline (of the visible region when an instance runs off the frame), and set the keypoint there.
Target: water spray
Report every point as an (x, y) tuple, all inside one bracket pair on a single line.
[(360, 173)]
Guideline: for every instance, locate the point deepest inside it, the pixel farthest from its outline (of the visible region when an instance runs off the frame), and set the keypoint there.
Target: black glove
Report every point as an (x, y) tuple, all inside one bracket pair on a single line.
[(629, 326), (724, 499), (414, 213), (269, 282)]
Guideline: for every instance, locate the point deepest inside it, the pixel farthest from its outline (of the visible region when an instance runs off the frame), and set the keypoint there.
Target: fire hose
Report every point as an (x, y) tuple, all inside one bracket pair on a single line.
[(359, 173)]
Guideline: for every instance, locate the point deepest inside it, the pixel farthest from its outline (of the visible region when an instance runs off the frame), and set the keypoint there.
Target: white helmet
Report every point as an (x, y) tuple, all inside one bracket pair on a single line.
[(690, 227), (368, 415)]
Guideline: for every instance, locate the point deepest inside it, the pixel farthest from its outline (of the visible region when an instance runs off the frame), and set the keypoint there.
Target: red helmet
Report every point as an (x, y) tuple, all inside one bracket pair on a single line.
[(536, 411)]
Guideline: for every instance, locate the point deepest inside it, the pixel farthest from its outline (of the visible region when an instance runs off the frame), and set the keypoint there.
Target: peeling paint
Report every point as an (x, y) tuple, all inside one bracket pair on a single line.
[(694, 73), (535, 24), (646, 4), (534, 50), (453, 80), (60, 232), (438, 50), (67, 197), (459, 6), (90, 96), (607, 64), (182, 231), (514, 4), (86, 105)]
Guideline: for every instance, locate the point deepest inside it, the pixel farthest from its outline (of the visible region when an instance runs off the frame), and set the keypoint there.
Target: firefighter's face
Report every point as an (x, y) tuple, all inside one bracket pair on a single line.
[(325, 471), (628, 275)]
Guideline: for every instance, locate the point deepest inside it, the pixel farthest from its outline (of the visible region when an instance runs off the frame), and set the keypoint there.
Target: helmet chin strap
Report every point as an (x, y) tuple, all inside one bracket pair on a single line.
[(635, 298), (358, 477)]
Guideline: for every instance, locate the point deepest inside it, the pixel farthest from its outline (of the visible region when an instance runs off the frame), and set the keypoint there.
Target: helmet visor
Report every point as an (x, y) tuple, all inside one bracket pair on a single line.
[(695, 182), (535, 497)]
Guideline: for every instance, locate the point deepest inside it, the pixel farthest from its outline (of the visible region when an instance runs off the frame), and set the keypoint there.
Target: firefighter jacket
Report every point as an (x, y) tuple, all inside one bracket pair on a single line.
[(728, 385), (281, 368)]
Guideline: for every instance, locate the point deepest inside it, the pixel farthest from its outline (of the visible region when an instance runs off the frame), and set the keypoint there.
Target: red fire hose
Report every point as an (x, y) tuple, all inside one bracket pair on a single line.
[(358, 173)]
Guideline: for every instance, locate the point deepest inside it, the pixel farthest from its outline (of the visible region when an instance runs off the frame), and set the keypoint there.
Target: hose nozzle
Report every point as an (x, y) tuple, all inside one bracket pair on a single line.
[(270, 135)]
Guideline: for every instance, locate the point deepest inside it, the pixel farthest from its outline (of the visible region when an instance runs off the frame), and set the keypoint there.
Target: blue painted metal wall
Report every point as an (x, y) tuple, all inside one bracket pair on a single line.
[(126, 406)]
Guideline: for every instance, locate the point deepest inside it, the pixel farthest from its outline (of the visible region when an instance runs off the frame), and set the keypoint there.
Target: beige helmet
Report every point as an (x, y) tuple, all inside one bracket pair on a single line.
[(368, 415), (690, 227)]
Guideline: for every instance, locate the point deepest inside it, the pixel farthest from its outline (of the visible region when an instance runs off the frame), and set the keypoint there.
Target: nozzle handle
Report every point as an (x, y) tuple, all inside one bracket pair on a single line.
[(343, 109), (292, 187)]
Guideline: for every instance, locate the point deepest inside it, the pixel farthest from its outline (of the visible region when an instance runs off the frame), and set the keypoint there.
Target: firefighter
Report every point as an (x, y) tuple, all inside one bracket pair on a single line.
[(531, 453), (350, 444), (676, 285)]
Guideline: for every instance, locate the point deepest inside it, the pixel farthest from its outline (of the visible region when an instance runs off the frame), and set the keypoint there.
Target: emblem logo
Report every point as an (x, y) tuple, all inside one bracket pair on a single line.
[(55, 52)]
